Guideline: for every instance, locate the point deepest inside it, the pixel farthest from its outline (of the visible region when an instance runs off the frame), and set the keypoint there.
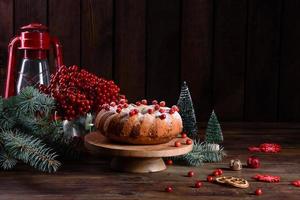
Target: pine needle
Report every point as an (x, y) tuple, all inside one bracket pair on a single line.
[(30, 150), (6, 161)]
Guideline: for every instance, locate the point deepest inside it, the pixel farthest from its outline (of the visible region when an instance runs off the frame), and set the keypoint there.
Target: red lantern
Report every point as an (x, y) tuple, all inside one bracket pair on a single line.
[(34, 40)]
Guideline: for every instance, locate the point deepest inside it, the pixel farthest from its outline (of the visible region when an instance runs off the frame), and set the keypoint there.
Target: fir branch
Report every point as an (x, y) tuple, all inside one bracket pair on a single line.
[(202, 152), (6, 160), (30, 150), (33, 101)]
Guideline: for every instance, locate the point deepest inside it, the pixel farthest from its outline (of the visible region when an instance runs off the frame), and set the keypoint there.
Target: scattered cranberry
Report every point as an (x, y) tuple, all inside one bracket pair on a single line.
[(156, 107), (190, 174), (112, 104), (144, 101), (162, 116), (177, 144), (133, 112), (258, 192), (216, 173), (122, 101), (175, 108), (161, 110), (169, 162), (171, 111), (198, 184), (188, 142), (125, 105), (169, 189), (138, 103), (154, 102), (162, 103), (183, 135), (220, 171), (150, 111), (119, 110), (210, 179)]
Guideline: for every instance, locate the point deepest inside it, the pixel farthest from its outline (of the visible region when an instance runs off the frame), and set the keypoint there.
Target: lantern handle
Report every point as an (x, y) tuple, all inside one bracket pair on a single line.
[(57, 52), (11, 65)]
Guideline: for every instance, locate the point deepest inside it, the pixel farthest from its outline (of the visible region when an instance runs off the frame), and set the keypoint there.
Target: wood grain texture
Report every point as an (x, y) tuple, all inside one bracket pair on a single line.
[(64, 22), (97, 143), (29, 11), (6, 32), (289, 98), (163, 50), (130, 48), (196, 54), (229, 58), (263, 60), (92, 178), (97, 37)]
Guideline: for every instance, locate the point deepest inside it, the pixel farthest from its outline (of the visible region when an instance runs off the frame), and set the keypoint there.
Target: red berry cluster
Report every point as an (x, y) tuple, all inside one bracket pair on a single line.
[(77, 91)]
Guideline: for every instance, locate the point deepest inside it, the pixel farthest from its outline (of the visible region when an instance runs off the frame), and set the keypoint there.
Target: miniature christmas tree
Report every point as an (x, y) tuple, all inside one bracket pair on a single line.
[(213, 130), (187, 112)]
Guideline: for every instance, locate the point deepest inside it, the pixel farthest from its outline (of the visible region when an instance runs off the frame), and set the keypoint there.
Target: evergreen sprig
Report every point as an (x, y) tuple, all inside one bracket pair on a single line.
[(41, 138), (202, 152), (30, 150)]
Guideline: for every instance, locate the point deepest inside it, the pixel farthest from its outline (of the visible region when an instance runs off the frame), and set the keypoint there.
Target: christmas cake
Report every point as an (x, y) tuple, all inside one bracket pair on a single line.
[(139, 123)]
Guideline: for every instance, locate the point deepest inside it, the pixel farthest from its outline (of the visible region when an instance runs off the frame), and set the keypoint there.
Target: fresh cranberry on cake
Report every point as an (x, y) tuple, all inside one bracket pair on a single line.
[(139, 123)]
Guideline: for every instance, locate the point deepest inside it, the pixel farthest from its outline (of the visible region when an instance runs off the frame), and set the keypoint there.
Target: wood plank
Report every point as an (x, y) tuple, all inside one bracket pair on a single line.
[(163, 50), (92, 178), (196, 44), (289, 97), (30, 11), (96, 37), (263, 60), (6, 33), (64, 22), (229, 58), (130, 48)]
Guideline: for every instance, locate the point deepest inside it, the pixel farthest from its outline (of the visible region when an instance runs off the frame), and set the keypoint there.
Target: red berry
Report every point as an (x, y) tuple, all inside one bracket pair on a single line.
[(136, 111), (169, 162), (122, 101), (183, 135), (190, 174), (210, 179), (188, 142), (175, 108), (220, 171), (216, 173), (125, 105), (144, 101), (169, 189), (138, 103), (150, 111), (198, 184), (112, 104), (171, 111), (119, 110), (258, 191), (162, 103), (162, 116), (131, 113), (177, 144), (161, 110), (154, 102), (156, 107)]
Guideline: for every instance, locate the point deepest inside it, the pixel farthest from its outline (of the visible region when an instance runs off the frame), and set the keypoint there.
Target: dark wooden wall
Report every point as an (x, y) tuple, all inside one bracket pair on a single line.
[(240, 57)]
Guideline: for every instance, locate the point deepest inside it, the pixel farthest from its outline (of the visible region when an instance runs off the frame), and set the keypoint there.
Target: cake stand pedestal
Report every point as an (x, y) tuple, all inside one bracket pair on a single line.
[(135, 158)]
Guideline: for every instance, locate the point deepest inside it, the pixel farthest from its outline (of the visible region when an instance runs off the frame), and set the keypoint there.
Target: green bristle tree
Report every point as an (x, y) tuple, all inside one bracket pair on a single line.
[(213, 131), (187, 113)]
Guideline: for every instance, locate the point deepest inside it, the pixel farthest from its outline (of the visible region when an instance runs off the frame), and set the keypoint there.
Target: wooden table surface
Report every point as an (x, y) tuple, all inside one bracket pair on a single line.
[(93, 179)]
